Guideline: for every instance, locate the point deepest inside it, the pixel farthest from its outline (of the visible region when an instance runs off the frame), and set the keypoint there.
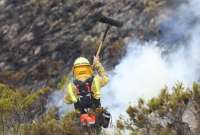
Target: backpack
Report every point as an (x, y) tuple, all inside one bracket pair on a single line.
[(84, 91)]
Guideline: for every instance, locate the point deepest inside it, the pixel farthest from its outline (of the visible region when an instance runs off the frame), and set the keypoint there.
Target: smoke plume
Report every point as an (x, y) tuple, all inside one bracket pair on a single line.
[(57, 100), (147, 67)]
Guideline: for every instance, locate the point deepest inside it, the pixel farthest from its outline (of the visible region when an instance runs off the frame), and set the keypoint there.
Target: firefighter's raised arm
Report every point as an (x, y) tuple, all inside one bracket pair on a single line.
[(104, 79)]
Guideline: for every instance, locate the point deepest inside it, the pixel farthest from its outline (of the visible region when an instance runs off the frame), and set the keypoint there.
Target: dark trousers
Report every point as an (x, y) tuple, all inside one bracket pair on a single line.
[(95, 103)]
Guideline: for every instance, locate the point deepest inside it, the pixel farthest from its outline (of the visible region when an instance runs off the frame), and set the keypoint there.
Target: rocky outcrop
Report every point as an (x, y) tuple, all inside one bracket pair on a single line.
[(39, 40)]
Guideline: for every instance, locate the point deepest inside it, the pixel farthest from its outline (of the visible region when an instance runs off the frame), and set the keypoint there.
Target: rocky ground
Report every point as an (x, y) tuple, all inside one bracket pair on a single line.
[(39, 40)]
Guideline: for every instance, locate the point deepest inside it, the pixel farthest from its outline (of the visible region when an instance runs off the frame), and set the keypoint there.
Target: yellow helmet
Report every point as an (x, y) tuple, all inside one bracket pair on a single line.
[(81, 61), (82, 68)]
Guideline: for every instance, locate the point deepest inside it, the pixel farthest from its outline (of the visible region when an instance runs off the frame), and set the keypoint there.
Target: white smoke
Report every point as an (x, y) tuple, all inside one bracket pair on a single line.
[(144, 70), (57, 100)]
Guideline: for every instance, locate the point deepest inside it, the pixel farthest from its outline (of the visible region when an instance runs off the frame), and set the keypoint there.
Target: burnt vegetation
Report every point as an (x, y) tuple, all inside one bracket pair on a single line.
[(39, 40)]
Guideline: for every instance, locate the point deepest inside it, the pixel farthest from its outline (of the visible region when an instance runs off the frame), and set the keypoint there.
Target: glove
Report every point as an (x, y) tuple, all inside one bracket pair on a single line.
[(96, 62)]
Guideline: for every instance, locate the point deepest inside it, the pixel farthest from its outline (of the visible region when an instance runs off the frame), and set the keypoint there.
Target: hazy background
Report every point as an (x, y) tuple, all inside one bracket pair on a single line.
[(148, 67)]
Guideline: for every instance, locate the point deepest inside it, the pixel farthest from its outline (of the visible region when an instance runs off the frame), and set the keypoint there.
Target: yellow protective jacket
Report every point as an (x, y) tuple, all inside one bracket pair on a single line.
[(99, 81)]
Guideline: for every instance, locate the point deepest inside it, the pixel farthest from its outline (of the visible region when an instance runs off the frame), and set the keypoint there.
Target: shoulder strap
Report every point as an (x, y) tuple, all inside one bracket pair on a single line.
[(90, 80), (85, 86)]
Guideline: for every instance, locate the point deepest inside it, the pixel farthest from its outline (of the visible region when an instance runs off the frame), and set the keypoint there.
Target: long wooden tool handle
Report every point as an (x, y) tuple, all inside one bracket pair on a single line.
[(103, 39), (99, 49)]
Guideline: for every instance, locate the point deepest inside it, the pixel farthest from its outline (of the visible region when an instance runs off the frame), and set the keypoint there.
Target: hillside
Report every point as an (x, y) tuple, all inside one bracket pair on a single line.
[(40, 39), (152, 62)]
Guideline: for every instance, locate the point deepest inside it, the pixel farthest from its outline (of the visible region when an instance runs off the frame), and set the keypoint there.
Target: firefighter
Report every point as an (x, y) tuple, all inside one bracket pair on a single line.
[(84, 91)]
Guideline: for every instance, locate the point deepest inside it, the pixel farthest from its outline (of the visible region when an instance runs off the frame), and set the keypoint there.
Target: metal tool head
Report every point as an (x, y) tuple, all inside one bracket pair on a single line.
[(93, 19)]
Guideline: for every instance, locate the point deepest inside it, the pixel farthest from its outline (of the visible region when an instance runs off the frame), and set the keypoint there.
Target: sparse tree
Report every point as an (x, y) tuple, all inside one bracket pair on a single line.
[(164, 114)]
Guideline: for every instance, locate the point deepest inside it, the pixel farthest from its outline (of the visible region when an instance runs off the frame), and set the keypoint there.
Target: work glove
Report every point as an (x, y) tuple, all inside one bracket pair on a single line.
[(101, 71), (96, 62)]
